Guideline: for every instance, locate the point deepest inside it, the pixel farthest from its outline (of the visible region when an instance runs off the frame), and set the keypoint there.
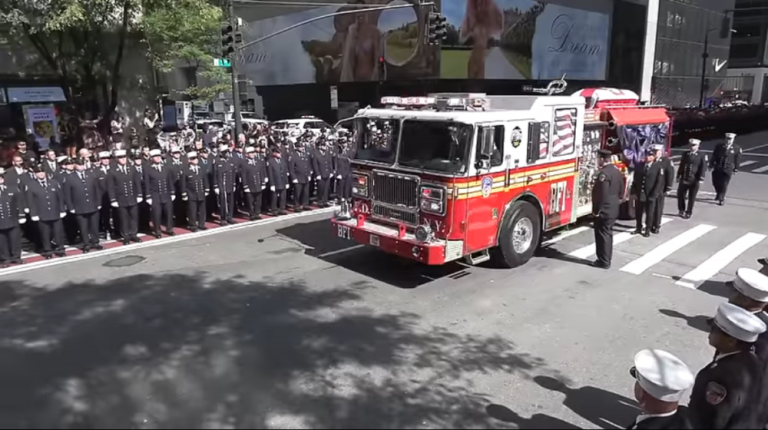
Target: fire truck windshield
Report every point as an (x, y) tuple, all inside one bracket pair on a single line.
[(439, 146), (377, 140)]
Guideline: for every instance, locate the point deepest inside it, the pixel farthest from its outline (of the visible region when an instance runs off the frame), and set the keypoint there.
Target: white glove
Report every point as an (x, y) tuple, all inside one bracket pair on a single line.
[(263, 187), (295, 181), (217, 191), (185, 198), (63, 214), (99, 207), (149, 202), (26, 211), (173, 198), (287, 186), (139, 199), (207, 193), (272, 188), (246, 190), (266, 180), (338, 176), (35, 218), (115, 205), (72, 211), (22, 220), (319, 177)]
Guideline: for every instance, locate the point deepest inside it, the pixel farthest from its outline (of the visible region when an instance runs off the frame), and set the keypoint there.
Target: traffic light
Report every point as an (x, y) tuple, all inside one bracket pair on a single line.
[(227, 41), (437, 29), (725, 28)]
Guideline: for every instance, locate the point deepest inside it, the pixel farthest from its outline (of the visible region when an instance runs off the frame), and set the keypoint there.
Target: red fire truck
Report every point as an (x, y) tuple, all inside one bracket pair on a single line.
[(451, 176)]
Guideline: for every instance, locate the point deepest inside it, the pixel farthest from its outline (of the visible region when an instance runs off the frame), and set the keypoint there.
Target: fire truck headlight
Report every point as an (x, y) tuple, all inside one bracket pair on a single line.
[(433, 199), (423, 233), (360, 185), (432, 206)]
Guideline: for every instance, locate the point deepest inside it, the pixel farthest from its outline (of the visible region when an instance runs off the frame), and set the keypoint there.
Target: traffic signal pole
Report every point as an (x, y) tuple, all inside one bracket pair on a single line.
[(235, 58)]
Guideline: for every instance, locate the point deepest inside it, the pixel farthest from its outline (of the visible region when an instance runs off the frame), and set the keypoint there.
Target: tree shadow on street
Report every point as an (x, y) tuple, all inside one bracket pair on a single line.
[(191, 351)]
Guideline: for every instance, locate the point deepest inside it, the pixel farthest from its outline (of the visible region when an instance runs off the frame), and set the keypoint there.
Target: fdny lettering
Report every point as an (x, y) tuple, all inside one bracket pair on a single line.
[(557, 197)]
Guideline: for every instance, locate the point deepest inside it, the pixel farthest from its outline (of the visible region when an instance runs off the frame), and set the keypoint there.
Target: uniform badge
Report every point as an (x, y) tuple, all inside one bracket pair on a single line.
[(716, 393)]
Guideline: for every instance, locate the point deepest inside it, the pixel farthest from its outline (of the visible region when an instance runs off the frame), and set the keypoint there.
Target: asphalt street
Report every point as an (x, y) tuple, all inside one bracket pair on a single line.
[(283, 325)]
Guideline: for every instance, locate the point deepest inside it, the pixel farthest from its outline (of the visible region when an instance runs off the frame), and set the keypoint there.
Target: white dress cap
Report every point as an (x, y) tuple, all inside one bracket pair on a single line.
[(155, 153), (120, 153), (752, 284), (694, 141), (250, 149), (223, 148), (104, 154), (192, 154), (730, 135), (662, 375), (739, 323), (2, 171)]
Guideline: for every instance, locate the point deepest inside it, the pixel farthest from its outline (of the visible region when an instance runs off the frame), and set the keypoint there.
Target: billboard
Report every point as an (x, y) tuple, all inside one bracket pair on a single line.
[(523, 39), (344, 48)]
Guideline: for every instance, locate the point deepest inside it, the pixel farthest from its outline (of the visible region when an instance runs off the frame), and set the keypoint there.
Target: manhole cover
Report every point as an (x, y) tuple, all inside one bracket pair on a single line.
[(128, 260)]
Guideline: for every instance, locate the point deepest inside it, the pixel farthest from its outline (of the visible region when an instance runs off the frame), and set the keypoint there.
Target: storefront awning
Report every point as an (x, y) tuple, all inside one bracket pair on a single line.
[(35, 95), (639, 116)]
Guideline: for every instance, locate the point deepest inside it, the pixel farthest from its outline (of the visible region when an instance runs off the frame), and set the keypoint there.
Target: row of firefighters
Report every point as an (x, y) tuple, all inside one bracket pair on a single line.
[(62, 200)]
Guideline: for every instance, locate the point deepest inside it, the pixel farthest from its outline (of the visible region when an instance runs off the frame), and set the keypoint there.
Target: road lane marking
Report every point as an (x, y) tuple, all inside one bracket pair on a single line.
[(747, 163), (755, 147), (720, 260), (566, 234), (590, 250), (340, 251), (666, 249), (760, 169)]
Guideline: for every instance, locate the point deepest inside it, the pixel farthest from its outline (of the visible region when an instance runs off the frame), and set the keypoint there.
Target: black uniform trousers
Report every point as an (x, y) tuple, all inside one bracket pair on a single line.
[(89, 228), (687, 192), (323, 189), (344, 187), (10, 244), (158, 210), (277, 203), (197, 213), (645, 208), (658, 212), (105, 217), (604, 239), (253, 201), (720, 181), (51, 231), (128, 218), (144, 216), (300, 195), (226, 206)]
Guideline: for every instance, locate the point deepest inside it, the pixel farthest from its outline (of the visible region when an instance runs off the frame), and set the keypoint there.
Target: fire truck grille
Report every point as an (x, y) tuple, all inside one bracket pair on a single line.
[(396, 190), (395, 215)]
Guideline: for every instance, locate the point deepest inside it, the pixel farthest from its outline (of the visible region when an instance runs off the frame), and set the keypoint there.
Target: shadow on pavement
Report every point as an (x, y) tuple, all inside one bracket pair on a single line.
[(701, 322), (321, 241), (536, 422), (189, 351), (604, 409), (561, 256), (718, 289)]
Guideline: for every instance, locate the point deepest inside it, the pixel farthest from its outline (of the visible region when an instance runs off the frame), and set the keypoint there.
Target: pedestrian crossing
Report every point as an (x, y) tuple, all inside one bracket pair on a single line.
[(689, 253)]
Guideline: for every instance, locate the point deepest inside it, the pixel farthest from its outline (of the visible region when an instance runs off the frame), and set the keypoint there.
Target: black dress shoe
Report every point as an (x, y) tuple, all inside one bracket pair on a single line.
[(307, 208), (638, 231), (157, 235), (646, 234), (681, 214), (136, 239), (256, 218), (47, 256), (203, 228), (223, 223), (601, 265), (231, 221), (721, 203), (86, 249), (97, 247), (61, 253), (193, 229), (687, 216), (655, 231), (170, 233), (282, 212), (125, 242), (18, 261)]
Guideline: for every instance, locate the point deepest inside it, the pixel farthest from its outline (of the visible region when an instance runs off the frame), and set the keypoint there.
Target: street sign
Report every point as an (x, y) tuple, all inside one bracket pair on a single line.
[(222, 62), (334, 97)]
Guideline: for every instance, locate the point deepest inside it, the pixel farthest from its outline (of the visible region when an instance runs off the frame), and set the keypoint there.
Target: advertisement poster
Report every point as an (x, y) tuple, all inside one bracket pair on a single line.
[(41, 122), (523, 39), (344, 48)]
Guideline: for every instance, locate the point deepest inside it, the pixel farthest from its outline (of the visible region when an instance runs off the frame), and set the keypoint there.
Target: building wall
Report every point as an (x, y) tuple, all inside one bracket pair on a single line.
[(748, 46), (754, 81)]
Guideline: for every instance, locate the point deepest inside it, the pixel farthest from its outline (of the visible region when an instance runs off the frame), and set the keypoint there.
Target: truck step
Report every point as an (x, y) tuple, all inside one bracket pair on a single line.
[(478, 257)]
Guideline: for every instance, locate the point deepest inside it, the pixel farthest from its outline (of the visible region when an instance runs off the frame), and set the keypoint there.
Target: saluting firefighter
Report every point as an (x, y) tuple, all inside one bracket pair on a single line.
[(649, 183), (159, 194), (690, 176), (300, 168), (661, 380), (195, 188), (606, 198), (727, 393), (47, 207), (254, 176), (277, 172), (125, 194), (724, 164), (225, 171), (669, 180), (83, 196), (12, 215), (324, 167)]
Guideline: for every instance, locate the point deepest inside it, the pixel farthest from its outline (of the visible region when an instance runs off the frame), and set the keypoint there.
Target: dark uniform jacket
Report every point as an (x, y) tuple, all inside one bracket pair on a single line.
[(761, 350), (194, 183), (669, 173), (607, 192), (726, 159), (124, 186), (14, 178), (82, 195), (344, 161), (11, 207), (158, 183), (254, 174), (649, 181), (680, 420), (277, 171), (300, 167), (50, 167), (46, 202), (727, 393), (102, 172), (693, 168), (225, 171), (323, 164)]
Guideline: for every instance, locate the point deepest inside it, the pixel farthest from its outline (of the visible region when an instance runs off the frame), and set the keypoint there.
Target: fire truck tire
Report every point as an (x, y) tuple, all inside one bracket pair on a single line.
[(519, 236)]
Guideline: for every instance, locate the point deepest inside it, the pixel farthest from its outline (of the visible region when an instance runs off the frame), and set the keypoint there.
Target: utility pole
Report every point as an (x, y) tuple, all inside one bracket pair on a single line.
[(233, 60)]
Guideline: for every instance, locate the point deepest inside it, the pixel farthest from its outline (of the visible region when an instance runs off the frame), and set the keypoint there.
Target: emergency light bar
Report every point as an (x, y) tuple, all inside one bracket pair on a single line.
[(429, 101)]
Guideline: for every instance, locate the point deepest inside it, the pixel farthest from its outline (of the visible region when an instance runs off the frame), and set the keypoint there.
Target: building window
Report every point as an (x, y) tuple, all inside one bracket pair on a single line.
[(744, 31), (741, 51)]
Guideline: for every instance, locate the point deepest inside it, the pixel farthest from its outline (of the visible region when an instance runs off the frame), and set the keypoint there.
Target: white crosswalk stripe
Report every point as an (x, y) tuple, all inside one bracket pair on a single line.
[(589, 250), (760, 169), (713, 265), (747, 163), (666, 249)]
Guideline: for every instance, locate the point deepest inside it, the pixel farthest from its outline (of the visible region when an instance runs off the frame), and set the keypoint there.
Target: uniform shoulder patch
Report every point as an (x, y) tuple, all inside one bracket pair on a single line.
[(601, 177), (716, 393)]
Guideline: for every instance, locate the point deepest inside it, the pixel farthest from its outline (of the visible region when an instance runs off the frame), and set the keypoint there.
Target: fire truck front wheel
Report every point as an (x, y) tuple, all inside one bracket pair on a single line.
[(519, 235)]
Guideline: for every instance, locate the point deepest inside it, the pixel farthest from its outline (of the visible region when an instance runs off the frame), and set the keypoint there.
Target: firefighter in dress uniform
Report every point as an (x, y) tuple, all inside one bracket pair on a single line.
[(177, 166), (159, 194), (669, 180), (277, 172), (649, 185), (225, 172), (105, 216), (139, 166), (344, 170), (206, 165), (728, 391), (12, 215), (606, 199), (125, 195), (194, 190), (254, 174), (661, 380), (724, 164), (324, 166), (690, 176), (300, 169), (83, 197), (47, 208)]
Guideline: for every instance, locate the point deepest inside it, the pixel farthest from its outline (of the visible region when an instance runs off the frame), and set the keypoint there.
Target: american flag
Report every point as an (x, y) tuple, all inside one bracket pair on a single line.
[(565, 130), (544, 140)]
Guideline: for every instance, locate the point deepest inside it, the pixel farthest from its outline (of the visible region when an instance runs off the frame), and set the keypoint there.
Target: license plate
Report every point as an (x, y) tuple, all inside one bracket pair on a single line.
[(374, 240), (344, 232)]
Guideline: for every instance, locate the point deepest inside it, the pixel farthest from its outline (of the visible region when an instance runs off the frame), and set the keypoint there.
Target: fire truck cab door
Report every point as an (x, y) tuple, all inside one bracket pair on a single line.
[(559, 145)]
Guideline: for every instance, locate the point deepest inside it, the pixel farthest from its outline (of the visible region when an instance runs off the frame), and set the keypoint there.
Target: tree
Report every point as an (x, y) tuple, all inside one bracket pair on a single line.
[(187, 32)]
